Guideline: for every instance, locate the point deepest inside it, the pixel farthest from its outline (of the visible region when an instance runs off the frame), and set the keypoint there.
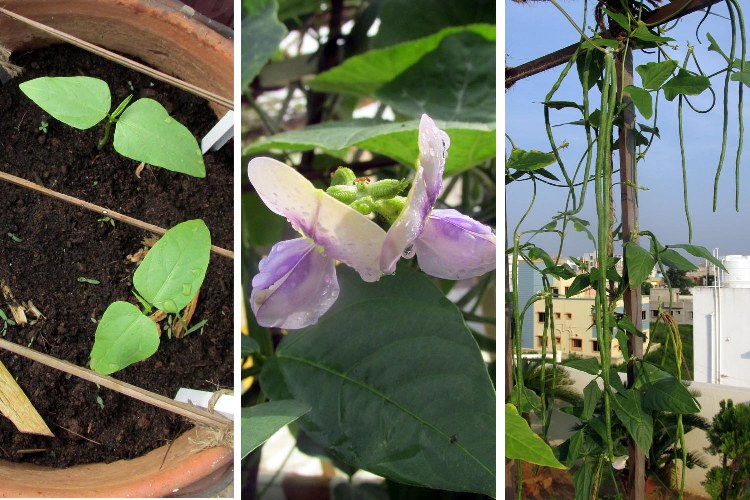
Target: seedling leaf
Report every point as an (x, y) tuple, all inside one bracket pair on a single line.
[(145, 132), (173, 270), (124, 336), (79, 101)]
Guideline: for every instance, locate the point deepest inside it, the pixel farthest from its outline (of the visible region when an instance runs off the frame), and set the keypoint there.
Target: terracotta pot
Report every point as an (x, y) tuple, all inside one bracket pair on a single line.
[(157, 33), (153, 30)]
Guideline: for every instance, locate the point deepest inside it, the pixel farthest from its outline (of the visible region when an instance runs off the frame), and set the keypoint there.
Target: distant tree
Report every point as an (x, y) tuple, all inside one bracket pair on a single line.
[(678, 279), (646, 288), (729, 437)]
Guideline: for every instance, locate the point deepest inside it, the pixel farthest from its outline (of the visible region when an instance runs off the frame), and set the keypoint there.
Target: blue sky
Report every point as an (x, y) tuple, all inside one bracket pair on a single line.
[(537, 28)]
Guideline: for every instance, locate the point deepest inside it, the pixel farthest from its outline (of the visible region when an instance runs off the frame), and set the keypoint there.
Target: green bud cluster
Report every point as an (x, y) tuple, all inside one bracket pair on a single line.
[(381, 197)]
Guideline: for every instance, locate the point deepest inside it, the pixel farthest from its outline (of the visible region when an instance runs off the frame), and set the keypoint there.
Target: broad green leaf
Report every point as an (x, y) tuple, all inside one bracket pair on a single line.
[(742, 76), (404, 20), (376, 369), (260, 226), (461, 72), (173, 270), (248, 346), (639, 424), (261, 422), (713, 46), (642, 100), (471, 143), (618, 17), (574, 448), (676, 261), (595, 68), (642, 33), (79, 101), (622, 339), (145, 132), (539, 253), (647, 373), (261, 34), (701, 252), (527, 161), (626, 324), (591, 396), (530, 400), (524, 444), (580, 283), (685, 83), (587, 365), (362, 75), (669, 395), (654, 74), (583, 479), (639, 263), (123, 336)]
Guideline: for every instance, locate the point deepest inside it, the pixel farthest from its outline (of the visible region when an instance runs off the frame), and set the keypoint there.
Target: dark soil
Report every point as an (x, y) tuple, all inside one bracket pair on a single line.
[(60, 243)]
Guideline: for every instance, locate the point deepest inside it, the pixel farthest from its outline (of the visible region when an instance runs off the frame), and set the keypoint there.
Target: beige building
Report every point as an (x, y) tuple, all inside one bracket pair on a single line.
[(682, 305), (574, 329)]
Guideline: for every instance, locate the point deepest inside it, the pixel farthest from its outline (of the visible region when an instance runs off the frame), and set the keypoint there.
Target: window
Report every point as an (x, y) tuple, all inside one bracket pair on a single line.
[(678, 312), (643, 315), (555, 291), (654, 313), (557, 340), (557, 315), (540, 317), (691, 314), (539, 341), (576, 344), (595, 345), (568, 315), (567, 289)]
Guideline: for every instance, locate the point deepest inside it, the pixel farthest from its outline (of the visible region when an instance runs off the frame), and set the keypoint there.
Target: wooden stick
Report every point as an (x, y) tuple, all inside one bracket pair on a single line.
[(193, 413), (128, 63), (98, 209)]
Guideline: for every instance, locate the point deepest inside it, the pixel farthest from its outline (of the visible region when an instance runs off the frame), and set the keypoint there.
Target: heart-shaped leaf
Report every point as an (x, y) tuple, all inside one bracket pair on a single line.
[(145, 132), (79, 101), (261, 422)]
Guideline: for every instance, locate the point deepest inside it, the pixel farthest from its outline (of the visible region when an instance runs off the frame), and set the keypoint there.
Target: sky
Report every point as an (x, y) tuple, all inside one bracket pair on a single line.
[(534, 29)]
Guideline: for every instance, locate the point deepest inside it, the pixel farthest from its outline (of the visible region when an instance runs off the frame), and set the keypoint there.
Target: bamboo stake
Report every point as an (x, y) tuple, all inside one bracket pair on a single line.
[(128, 63), (98, 209), (16, 407), (191, 412)]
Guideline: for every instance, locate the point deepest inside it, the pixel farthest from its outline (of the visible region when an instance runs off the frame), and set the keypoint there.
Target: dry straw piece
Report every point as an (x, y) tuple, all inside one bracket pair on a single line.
[(15, 406)]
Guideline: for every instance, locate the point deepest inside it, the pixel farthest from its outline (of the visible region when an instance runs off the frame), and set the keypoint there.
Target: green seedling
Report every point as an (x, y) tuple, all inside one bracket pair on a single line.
[(90, 281), (144, 131), (167, 279), (15, 238), (100, 402), (43, 126), (105, 220), (6, 322)]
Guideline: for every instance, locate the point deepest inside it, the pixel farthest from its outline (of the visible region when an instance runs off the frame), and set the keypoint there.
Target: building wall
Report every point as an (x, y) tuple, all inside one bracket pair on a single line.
[(721, 335), (682, 305), (529, 283)]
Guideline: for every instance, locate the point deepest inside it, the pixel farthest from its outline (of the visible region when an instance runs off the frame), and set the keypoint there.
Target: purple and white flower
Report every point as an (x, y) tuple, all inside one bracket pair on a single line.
[(297, 281), (447, 244)]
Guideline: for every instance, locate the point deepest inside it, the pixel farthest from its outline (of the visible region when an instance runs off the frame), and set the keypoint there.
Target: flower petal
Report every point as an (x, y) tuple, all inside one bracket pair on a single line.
[(296, 285), (433, 150), (454, 246), (344, 233)]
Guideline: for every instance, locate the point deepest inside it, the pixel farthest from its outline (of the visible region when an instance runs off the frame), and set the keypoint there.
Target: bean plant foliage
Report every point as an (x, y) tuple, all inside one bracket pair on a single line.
[(368, 245), (654, 408)]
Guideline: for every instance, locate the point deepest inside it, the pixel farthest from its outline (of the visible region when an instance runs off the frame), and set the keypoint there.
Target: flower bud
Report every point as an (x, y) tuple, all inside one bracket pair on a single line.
[(343, 176), (345, 194), (386, 188)]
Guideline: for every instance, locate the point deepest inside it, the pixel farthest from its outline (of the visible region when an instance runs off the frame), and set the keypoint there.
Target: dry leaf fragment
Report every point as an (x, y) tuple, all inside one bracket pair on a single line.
[(138, 256), (139, 169), (17, 310), (179, 326), (15, 406)]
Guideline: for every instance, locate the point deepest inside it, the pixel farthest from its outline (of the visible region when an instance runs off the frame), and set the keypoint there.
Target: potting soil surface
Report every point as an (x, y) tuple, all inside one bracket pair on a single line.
[(46, 245)]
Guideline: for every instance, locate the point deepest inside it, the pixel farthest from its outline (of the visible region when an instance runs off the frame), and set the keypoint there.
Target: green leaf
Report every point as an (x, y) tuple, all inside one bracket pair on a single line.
[(643, 34), (248, 346), (591, 396), (626, 324), (676, 261), (586, 365), (527, 161), (461, 72), (173, 270), (524, 444), (574, 448), (471, 143), (376, 369), (261, 34), (701, 252), (145, 132), (260, 226), (620, 18), (685, 83), (79, 101), (583, 479), (741, 76), (642, 100), (364, 74), (622, 339), (123, 336), (713, 46), (639, 263), (404, 20), (669, 395), (261, 422), (639, 424), (596, 67), (539, 253), (580, 283), (530, 400), (653, 74)]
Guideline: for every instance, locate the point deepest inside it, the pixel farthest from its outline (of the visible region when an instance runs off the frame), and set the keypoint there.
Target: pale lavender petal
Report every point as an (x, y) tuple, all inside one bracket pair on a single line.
[(454, 246), (344, 233), (433, 150), (296, 285)]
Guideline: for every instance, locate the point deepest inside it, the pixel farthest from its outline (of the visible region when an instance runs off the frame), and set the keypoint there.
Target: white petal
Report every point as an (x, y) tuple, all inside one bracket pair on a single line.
[(344, 233)]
